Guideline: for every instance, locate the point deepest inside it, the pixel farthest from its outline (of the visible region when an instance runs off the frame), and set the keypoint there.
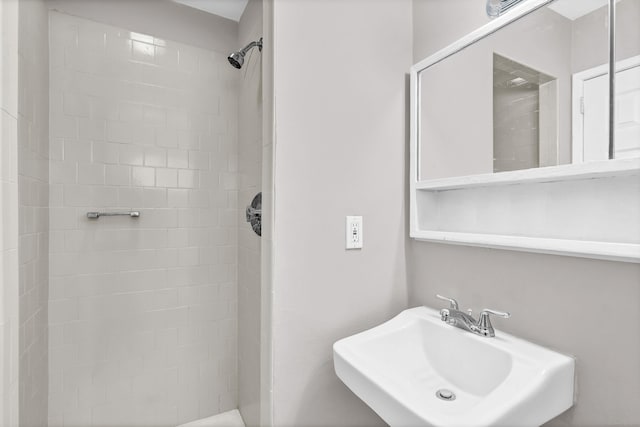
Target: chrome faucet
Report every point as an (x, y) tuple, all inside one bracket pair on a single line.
[(454, 317)]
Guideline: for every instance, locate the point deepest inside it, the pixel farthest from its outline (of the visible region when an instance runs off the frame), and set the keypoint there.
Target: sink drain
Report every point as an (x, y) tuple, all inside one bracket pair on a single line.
[(445, 394)]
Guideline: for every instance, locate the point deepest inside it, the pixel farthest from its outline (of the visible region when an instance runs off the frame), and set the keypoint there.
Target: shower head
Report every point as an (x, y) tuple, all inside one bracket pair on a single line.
[(236, 59)]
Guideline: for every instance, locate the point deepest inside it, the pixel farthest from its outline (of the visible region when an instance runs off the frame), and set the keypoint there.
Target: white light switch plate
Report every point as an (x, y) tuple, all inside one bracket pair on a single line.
[(353, 232)]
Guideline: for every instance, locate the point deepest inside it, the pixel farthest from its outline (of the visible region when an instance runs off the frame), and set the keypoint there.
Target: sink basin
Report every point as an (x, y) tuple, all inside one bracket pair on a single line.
[(399, 367)]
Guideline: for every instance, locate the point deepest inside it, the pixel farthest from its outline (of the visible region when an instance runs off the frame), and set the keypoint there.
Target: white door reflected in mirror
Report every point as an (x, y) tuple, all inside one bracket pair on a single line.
[(591, 114)]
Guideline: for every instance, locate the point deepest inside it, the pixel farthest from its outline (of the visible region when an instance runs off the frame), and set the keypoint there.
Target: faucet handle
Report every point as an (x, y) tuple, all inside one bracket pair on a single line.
[(453, 304), (504, 314), (484, 322)]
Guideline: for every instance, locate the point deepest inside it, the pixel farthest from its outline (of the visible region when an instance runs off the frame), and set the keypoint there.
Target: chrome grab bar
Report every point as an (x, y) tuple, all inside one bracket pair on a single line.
[(96, 215)]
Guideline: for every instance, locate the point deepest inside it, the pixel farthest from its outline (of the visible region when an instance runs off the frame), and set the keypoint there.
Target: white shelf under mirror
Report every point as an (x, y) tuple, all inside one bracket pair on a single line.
[(579, 210), (589, 170)]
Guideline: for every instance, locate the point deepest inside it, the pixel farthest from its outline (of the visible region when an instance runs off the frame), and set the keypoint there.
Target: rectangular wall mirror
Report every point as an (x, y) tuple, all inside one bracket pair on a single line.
[(525, 133), (533, 94)]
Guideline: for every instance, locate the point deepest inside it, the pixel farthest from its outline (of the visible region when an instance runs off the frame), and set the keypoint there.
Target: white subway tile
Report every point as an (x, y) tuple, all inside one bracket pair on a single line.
[(188, 179), (178, 198), (188, 140), (56, 149), (103, 108), (105, 197), (210, 256), (55, 195), (198, 161), (154, 197), (198, 198), (227, 254), (117, 175), (119, 132), (117, 48), (143, 51), (188, 256), (142, 177), (178, 119), (165, 298), (229, 217), (129, 197), (105, 152), (130, 154), (75, 104), (177, 237), (63, 310), (167, 138), (178, 159), (63, 218), (229, 181), (63, 126), (90, 396), (91, 174), (155, 115), (56, 244), (92, 129), (77, 151), (187, 60), (63, 172), (156, 157), (90, 38), (130, 112), (166, 57), (166, 178), (77, 240), (143, 135)]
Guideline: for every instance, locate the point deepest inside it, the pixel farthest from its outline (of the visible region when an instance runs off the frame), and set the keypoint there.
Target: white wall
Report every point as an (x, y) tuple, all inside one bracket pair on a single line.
[(586, 308), (590, 35), (142, 311), (33, 195), (340, 139), (249, 184)]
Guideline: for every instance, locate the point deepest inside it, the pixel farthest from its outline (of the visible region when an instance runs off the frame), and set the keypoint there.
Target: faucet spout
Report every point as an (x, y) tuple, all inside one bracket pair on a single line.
[(454, 317), (460, 319)]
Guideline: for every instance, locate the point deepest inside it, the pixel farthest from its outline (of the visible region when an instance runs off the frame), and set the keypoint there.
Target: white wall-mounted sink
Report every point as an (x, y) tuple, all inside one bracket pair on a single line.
[(398, 367)]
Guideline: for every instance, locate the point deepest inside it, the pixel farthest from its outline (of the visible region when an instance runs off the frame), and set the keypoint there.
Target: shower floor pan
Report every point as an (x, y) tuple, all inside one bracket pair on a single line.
[(226, 419)]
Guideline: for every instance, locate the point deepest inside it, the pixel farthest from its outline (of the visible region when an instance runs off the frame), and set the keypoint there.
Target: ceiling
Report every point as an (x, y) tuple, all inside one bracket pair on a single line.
[(233, 9), (230, 9), (574, 9)]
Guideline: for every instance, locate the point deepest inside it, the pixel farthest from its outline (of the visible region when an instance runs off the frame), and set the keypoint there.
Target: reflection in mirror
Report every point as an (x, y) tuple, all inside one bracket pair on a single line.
[(532, 94), (627, 81), (525, 110), (498, 7), (494, 7)]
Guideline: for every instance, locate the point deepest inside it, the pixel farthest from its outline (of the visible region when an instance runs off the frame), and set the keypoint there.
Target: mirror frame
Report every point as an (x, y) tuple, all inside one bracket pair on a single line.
[(579, 172)]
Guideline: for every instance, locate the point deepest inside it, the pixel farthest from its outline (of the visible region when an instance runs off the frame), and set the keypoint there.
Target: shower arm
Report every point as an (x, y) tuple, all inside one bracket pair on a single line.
[(252, 44)]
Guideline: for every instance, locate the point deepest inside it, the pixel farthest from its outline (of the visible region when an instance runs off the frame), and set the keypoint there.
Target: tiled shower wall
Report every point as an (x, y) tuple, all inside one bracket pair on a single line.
[(9, 290), (33, 219), (142, 311), (516, 133)]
